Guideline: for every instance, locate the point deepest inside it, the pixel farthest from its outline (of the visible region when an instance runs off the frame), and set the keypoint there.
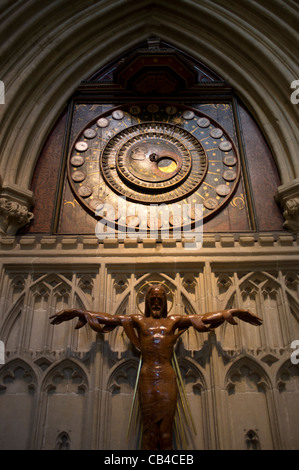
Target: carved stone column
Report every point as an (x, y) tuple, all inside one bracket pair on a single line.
[(288, 197), (15, 203)]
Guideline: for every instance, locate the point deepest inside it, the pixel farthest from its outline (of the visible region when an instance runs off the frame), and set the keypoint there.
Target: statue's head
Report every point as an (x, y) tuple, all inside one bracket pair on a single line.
[(156, 302)]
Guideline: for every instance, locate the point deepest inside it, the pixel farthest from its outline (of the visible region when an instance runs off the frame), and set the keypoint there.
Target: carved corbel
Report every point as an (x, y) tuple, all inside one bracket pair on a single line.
[(288, 197), (13, 216), (291, 214), (15, 203)]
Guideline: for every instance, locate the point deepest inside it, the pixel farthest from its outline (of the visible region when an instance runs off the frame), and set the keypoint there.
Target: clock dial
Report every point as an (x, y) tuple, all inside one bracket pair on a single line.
[(153, 163), (148, 155)]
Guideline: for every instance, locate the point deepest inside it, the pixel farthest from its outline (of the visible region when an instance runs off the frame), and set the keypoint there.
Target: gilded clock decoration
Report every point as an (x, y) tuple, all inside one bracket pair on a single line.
[(77, 160), (85, 191), (203, 122), (102, 122), (81, 146), (226, 146), (89, 133), (230, 160), (78, 176)]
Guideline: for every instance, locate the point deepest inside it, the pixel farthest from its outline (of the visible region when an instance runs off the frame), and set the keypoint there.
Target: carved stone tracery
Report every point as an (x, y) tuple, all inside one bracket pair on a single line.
[(195, 352)]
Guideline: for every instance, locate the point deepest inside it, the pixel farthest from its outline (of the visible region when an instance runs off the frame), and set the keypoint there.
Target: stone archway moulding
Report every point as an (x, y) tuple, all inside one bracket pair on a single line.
[(49, 47)]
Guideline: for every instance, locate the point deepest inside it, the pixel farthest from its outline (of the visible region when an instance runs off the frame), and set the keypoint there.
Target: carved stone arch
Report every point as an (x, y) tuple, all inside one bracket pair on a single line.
[(250, 404), (43, 363), (248, 288), (10, 330), (52, 279), (257, 277), (17, 286), (229, 301), (270, 288), (80, 303), (18, 368), (260, 292), (64, 387), (294, 308), (249, 368), (216, 44), (229, 336), (120, 282), (61, 295), (191, 339), (189, 282), (40, 289), (254, 282), (192, 376), (72, 369), (192, 416), (123, 301), (224, 283), (229, 287), (62, 290), (85, 281), (120, 411), (36, 325), (83, 299), (287, 383), (83, 337), (187, 304), (155, 276), (84, 289), (18, 385), (275, 314), (117, 339), (123, 376), (291, 279), (287, 372), (49, 286)]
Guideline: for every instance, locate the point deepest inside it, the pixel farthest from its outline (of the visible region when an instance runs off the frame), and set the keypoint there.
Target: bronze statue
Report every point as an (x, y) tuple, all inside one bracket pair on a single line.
[(154, 334)]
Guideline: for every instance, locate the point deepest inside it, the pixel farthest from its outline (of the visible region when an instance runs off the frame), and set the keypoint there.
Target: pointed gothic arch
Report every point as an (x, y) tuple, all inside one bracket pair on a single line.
[(173, 25), (122, 429), (18, 387), (251, 404), (65, 384)]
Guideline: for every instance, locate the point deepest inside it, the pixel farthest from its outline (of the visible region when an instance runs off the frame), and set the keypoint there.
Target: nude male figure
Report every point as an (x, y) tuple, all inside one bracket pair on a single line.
[(154, 334)]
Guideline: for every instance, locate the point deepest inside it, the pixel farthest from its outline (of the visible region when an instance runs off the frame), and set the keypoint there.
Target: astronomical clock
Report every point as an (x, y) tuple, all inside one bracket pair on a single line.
[(136, 157), (154, 141)]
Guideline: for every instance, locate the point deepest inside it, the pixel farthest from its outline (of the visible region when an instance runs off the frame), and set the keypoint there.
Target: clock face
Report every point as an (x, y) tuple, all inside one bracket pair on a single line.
[(134, 158)]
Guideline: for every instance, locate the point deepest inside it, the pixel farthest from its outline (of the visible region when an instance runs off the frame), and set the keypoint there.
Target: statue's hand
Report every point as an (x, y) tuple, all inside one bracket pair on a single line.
[(242, 314), (69, 314)]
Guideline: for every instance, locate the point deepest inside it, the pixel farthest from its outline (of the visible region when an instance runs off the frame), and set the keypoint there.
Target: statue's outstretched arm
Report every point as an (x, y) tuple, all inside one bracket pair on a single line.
[(100, 322), (183, 322), (214, 319)]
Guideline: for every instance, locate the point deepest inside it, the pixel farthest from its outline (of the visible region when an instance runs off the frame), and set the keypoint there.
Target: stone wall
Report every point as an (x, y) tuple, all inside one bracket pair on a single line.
[(74, 388)]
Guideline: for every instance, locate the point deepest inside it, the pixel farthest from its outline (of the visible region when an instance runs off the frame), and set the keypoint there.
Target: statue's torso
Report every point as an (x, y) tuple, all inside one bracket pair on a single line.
[(157, 339)]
